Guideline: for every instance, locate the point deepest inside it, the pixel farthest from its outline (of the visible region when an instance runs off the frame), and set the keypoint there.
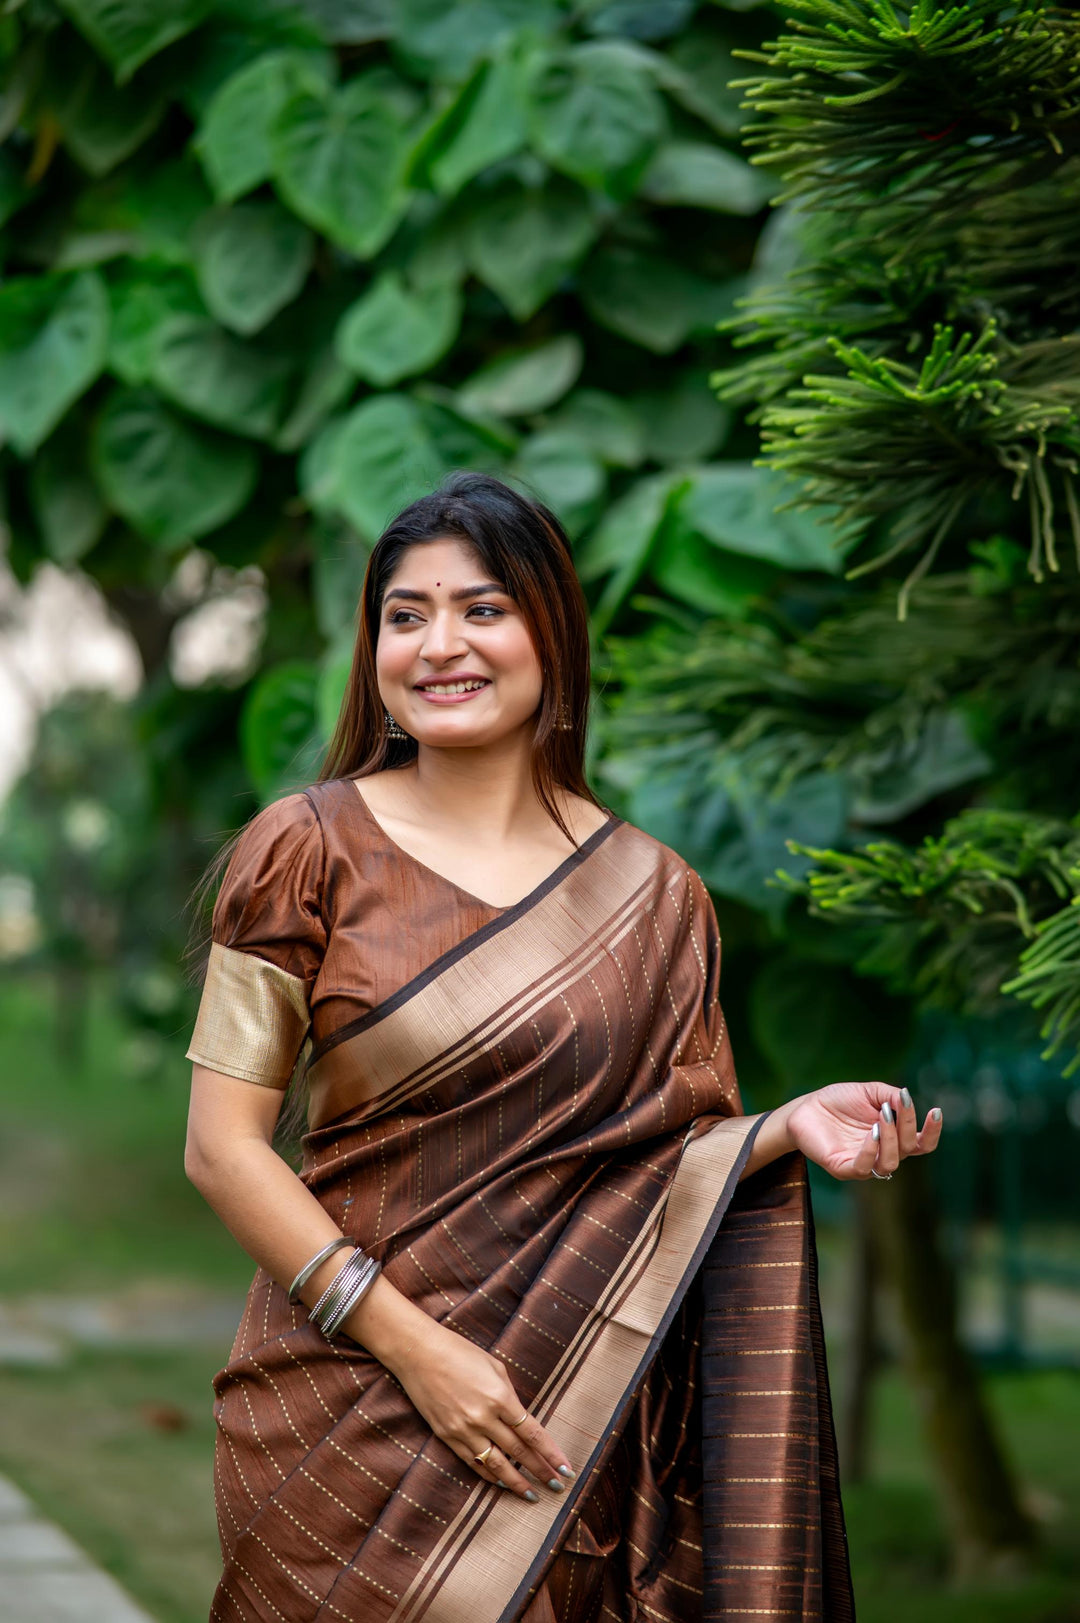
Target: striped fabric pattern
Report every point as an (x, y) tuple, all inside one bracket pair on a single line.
[(540, 1136)]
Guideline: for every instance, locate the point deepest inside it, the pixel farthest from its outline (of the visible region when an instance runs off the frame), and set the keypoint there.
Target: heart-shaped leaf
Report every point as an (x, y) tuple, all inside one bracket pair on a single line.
[(279, 728), (380, 458), (734, 504), (220, 379), (339, 159), (525, 381), (595, 114), (170, 479), (522, 240), (251, 261), (395, 331), (692, 174), (54, 337), (129, 32), (233, 142)]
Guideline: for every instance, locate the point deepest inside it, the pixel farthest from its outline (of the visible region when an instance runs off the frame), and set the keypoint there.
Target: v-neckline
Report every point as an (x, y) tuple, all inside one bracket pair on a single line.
[(496, 908)]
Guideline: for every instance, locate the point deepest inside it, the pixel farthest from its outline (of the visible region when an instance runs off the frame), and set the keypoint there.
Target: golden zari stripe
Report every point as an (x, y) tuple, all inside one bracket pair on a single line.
[(251, 1015)]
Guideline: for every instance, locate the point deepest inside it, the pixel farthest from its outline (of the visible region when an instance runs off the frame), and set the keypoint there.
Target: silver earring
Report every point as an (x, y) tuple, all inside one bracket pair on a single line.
[(394, 731)]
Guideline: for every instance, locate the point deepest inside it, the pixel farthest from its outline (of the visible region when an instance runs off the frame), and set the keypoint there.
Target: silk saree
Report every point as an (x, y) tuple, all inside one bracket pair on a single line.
[(530, 1115)]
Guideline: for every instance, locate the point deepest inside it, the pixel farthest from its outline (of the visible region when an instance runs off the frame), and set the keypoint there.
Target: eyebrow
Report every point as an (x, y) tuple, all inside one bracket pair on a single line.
[(459, 596)]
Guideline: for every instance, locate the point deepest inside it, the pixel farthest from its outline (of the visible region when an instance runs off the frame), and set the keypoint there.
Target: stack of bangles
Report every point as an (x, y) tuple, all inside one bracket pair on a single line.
[(346, 1291)]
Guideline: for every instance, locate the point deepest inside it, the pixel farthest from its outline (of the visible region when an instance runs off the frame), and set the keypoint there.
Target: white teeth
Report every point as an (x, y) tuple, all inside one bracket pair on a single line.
[(453, 687)]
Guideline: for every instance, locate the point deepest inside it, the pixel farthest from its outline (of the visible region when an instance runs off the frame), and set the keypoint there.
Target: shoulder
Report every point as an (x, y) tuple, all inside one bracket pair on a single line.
[(671, 870), (281, 830)]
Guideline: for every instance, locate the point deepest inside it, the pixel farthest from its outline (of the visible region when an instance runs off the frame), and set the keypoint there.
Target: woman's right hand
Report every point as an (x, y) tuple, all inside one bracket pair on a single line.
[(468, 1400)]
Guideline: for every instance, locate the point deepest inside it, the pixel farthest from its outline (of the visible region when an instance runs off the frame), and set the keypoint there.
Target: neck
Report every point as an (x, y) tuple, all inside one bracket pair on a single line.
[(489, 788)]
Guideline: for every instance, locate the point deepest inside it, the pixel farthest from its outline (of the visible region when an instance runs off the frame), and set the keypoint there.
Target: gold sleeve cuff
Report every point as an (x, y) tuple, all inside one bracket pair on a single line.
[(252, 1019)]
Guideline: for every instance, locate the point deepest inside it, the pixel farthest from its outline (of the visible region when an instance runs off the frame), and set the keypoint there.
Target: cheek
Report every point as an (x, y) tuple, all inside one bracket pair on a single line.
[(515, 657), (393, 659)]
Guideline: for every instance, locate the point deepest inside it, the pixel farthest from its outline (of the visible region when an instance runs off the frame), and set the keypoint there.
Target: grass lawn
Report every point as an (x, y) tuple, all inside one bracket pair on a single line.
[(93, 1197)]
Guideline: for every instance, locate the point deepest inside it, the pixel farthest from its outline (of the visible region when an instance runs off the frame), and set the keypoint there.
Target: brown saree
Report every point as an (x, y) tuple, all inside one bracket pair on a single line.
[(530, 1114)]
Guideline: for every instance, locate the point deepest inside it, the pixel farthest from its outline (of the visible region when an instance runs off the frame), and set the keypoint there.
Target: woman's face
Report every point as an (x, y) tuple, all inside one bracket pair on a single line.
[(455, 662)]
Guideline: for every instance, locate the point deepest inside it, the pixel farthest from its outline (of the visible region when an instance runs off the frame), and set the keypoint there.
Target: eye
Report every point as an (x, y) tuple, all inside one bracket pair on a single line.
[(487, 611), (400, 617)]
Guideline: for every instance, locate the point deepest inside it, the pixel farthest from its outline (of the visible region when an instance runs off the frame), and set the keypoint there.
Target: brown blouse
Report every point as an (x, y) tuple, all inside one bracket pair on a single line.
[(332, 918)]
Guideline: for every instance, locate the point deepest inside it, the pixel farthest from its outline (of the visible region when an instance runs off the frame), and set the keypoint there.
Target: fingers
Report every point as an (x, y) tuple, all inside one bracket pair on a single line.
[(931, 1132), (907, 1128), (530, 1447), (864, 1159), (888, 1152), (497, 1468)]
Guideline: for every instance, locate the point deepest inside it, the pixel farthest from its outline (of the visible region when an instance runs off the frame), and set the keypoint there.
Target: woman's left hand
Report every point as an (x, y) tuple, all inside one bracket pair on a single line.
[(855, 1128)]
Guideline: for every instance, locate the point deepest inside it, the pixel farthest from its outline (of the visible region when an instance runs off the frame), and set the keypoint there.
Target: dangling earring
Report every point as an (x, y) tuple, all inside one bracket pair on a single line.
[(394, 731), (563, 719)]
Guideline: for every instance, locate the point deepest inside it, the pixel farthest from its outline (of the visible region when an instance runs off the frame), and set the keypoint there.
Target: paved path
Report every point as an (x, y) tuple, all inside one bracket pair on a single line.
[(46, 1578)]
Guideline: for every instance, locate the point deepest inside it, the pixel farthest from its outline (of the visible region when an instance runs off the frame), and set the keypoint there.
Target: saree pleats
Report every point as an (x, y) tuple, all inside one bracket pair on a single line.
[(541, 1139)]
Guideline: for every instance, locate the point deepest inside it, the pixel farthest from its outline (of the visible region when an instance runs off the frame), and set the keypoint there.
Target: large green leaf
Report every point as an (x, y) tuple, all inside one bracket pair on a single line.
[(565, 474), (129, 32), (440, 41), (338, 561), (381, 456), (215, 376), (682, 419), (622, 543), (172, 480), (54, 336), (638, 19), (67, 504), (604, 425), (234, 137), (144, 297), (734, 504), (339, 159), (522, 240), (595, 115), (484, 122), (525, 381), (278, 728), (325, 386), (696, 572), (251, 260), (721, 818), (103, 123), (942, 755), (697, 71), (651, 300), (395, 331), (818, 1021), (692, 174)]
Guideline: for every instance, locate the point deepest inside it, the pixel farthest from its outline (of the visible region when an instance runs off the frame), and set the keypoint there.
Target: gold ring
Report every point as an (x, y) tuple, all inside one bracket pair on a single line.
[(521, 1422), (481, 1459)]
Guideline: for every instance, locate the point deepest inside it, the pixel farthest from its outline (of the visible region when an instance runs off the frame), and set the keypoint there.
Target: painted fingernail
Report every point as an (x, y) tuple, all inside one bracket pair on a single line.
[(935, 1114), (555, 1485), (905, 1098), (886, 1113), (876, 1134), (533, 1498), (564, 1470)]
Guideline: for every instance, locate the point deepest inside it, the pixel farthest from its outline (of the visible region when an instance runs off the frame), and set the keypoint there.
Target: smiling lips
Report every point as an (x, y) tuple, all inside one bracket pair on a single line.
[(451, 692)]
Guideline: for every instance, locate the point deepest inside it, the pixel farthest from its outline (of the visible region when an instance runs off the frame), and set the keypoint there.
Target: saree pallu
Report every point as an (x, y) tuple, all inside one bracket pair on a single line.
[(540, 1138)]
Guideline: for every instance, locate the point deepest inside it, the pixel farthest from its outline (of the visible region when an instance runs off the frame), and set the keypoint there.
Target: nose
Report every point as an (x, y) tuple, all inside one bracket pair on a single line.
[(443, 638)]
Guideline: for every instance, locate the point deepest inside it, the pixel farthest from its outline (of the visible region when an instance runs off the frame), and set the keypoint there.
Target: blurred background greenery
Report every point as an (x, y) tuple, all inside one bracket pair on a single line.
[(270, 270)]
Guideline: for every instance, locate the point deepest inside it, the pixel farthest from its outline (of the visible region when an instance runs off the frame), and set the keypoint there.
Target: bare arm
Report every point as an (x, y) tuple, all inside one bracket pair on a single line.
[(463, 1393)]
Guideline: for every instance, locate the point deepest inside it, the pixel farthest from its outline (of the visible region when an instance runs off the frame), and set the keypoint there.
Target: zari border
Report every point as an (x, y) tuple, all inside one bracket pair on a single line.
[(252, 1018), (497, 1547), (438, 1022)]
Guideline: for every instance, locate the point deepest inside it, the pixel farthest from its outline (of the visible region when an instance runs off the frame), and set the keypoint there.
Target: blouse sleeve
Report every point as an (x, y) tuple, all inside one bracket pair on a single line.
[(268, 941)]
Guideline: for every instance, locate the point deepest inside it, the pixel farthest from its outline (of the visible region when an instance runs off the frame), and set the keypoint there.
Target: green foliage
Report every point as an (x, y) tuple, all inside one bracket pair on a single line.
[(272, 271), (956, 908), (921, 362)]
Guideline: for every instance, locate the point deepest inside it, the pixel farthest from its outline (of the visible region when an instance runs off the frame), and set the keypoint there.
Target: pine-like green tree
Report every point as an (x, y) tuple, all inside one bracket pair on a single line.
[(915, 374)]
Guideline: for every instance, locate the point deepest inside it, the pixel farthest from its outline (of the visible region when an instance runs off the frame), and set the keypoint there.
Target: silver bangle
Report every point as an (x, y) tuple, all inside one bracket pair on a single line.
[(345, 1292), (309, 1267)]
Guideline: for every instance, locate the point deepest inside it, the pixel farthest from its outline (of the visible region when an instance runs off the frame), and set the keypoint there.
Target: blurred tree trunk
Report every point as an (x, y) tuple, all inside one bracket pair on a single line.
[(863, 1348), (989, 1532)]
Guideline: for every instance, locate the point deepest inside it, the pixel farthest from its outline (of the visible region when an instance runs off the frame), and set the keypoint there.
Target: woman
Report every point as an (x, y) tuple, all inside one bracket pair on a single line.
[(588, 1381)]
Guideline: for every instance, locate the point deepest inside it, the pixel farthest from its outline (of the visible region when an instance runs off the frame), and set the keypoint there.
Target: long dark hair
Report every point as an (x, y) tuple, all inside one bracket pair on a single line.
[(523, 546)]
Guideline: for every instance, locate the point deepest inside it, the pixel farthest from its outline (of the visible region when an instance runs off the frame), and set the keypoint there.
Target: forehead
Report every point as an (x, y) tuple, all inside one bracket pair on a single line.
[(449, 558)]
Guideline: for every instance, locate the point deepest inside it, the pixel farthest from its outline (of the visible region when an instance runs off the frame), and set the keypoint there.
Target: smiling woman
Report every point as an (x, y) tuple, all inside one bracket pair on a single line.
[(570, 1365)]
